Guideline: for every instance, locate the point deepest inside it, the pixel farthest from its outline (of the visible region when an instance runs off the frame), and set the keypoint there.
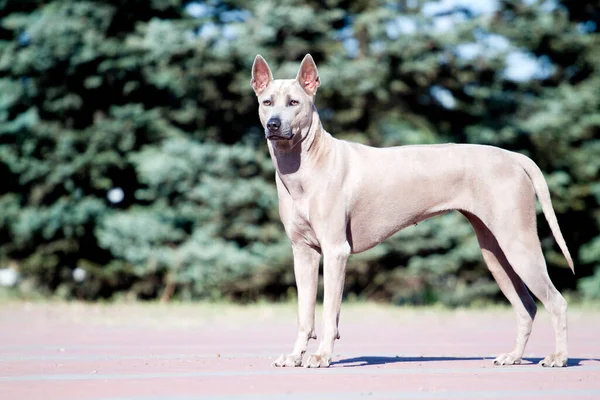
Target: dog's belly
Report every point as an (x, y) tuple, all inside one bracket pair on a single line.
[(366, 233)]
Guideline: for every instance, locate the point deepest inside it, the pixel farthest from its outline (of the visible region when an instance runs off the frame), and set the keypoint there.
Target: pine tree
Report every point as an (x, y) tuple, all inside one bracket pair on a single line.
[(130, 146)]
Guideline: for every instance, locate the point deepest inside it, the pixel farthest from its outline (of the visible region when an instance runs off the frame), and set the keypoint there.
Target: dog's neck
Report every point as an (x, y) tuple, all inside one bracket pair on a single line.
[(309, 153)]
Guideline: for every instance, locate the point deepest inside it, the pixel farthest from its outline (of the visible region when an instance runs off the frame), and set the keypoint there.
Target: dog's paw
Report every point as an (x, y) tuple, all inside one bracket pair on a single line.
[(290, 360), (554, 360), (317, 361), (507, 359)]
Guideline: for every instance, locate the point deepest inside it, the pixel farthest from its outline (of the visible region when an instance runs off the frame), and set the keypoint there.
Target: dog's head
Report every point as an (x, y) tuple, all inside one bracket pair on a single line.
[(285, 105)]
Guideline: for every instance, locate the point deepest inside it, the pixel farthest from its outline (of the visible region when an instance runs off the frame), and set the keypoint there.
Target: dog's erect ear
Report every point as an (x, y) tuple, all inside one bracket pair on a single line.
[(308, 76), (261, 75)]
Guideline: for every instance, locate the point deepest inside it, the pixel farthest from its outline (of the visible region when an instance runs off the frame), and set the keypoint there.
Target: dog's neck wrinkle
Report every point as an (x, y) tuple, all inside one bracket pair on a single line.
[(314, 130), (319, 147)]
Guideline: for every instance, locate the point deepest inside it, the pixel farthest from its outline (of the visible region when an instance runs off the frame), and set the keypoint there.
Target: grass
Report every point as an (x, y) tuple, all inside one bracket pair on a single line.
[(193, 314)]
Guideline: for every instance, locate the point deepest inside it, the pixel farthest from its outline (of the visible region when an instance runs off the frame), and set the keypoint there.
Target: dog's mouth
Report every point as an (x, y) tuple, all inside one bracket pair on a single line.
[(279, 137)]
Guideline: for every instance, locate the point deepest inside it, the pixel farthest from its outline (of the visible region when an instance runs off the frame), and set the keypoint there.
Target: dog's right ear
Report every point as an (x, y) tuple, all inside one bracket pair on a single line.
[(261, 75)]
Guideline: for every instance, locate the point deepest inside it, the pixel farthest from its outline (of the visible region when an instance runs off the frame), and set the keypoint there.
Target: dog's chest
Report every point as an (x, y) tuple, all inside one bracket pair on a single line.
[(301, 223), (301, 214)]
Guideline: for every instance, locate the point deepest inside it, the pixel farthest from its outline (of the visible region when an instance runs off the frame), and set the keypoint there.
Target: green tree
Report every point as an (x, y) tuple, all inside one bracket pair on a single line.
[(130, 145)]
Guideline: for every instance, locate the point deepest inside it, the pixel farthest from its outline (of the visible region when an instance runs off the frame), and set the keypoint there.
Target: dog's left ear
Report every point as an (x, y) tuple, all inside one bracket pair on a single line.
[(308, 76)]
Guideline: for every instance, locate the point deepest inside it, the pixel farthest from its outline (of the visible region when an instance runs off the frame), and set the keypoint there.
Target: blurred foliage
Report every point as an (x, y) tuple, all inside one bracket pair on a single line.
[(130, 146)]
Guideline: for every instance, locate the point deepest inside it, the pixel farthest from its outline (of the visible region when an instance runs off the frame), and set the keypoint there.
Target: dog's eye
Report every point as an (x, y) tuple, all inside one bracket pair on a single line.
[(294, 102), (267, 102)]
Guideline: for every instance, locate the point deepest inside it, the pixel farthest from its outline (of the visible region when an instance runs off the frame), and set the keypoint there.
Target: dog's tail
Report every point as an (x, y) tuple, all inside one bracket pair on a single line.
[(543, 194)]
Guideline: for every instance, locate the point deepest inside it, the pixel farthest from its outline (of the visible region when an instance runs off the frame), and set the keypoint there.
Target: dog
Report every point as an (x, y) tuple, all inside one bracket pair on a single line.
[(338, 198)]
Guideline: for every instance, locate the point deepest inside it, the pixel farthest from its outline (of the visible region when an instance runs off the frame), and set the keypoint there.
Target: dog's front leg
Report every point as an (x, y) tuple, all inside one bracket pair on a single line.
[(334, 271), (306, 271)]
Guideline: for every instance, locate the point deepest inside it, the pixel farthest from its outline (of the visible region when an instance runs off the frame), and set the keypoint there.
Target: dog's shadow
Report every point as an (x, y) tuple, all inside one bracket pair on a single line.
[(379, 360)]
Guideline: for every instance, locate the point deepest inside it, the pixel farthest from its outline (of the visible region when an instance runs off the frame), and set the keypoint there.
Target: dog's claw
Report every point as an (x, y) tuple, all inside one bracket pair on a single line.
[(507, 359), (317, 361), (554, 360), (288, 361)]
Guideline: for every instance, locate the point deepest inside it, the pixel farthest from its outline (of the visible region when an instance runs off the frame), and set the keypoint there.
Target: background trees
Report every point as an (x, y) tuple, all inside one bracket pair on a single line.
[(132, 159)]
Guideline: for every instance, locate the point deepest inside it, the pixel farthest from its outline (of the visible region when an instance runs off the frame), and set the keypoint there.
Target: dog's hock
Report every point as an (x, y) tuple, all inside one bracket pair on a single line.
[(308, 76), (261, 75)]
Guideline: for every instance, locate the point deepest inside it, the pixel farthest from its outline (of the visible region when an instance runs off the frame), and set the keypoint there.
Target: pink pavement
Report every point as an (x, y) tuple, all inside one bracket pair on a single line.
[(201, 351)]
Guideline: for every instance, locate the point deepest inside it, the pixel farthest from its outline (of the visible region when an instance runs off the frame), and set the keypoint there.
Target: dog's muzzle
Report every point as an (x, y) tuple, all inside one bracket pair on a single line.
[(273, 130)]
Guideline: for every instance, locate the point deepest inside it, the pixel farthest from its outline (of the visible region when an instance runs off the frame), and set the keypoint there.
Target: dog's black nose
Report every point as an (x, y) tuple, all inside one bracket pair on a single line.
[(273, 124)]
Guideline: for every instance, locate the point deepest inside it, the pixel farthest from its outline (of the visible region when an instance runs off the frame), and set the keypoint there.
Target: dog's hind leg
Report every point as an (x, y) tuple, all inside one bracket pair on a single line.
[(524, 252), (511, 286), (512, 220)]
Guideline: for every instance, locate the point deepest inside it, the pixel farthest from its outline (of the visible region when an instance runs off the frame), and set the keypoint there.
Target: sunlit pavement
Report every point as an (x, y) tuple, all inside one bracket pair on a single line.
[(61, 351)]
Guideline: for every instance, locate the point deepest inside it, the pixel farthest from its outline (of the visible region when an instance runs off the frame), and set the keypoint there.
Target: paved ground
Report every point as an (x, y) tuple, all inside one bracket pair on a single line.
[(154, 352)]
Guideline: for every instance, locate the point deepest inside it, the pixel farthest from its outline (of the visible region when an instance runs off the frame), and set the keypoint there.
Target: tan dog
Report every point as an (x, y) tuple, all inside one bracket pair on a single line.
[(338, 198)]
